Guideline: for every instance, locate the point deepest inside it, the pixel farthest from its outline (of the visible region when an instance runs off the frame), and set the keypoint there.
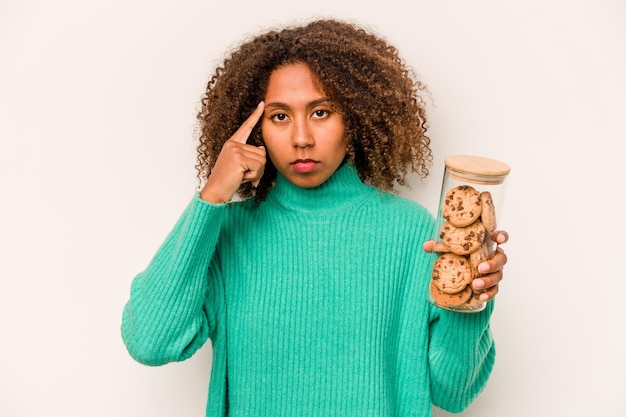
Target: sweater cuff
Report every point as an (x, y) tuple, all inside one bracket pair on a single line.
[(469, 330), (199, 220)]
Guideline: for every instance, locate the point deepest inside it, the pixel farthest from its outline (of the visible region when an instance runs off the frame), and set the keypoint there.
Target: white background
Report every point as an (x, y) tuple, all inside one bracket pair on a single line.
[(97, 117)]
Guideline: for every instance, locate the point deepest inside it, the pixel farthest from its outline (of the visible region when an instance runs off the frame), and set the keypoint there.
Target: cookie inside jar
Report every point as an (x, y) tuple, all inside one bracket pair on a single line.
[(467, 220)]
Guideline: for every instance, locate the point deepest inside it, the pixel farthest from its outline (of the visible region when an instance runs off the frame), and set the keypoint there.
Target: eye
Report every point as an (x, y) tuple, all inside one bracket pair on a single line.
[(279, 117), (320, 114)]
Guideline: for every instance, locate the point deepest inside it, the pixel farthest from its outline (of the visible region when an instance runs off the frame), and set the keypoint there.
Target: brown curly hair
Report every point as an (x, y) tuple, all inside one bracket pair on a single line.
[(380, 97)]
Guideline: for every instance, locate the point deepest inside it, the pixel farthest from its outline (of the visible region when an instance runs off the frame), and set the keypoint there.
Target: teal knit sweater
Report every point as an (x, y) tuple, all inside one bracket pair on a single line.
[(315, 303)]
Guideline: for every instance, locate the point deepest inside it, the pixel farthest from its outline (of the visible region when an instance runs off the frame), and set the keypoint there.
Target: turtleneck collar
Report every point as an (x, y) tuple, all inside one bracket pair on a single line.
[(344, 187)]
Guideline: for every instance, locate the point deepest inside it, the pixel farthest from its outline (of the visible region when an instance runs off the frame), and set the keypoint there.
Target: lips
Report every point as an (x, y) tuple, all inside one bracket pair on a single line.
[(304, 165)]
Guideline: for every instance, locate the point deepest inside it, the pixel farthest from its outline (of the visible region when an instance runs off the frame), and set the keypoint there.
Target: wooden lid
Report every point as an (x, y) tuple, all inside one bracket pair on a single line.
[(477, 165)]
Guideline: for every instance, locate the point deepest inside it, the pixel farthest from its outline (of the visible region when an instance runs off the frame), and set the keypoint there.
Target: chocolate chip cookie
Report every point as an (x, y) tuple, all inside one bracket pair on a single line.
[(488, 212), (452, 273), (450, 300), (462, 240), (461, 206)]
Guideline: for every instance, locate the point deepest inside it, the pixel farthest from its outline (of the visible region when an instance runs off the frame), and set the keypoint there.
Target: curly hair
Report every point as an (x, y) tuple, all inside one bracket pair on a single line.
[(380, 97)]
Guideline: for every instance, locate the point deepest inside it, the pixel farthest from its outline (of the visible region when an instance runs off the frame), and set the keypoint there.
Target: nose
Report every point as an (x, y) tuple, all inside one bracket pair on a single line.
[(302, 136)]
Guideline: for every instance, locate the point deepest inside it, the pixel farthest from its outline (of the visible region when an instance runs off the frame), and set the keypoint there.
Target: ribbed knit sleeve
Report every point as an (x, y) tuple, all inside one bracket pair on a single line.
[(461, 355), (167, 318)]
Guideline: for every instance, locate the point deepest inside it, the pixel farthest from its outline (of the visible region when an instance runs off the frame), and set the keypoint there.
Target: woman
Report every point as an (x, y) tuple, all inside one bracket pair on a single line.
[(312, 285)]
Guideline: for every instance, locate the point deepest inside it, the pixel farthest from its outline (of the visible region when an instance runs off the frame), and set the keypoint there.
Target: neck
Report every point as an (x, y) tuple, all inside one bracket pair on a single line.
[(344, 187)]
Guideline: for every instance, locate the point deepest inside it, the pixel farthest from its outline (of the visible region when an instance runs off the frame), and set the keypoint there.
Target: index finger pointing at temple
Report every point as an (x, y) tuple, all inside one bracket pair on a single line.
[(242, 134)]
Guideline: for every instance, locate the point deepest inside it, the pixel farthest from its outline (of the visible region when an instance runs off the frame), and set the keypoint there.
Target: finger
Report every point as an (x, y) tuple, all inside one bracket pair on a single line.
[(254, 173), (257, 180), (253, 166), (499, 236), (494, 264), (432, 246), (489, 294), (486, 282), (251, 157), (243, 133), (244, 151)]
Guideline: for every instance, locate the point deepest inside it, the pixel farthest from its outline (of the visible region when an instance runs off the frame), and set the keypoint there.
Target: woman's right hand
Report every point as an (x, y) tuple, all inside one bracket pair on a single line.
[(237, 163)]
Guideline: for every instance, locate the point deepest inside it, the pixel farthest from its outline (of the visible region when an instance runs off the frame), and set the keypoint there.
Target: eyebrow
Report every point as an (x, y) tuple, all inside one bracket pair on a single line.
[(281, 105)]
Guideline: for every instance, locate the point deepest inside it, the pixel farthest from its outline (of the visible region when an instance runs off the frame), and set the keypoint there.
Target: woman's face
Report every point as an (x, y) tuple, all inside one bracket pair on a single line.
[(304, 136)]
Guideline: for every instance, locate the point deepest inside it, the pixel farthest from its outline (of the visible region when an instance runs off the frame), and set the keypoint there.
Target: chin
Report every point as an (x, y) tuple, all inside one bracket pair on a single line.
[(307, 184), (306, 181)]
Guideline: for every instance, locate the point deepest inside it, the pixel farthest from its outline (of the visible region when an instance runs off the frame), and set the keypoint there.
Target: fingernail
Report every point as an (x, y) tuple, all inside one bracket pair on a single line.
[(478, 284), (483, 267), (484, 297)]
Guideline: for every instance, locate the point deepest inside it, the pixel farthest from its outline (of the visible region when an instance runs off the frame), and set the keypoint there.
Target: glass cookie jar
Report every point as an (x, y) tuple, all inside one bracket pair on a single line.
[(469, 207)]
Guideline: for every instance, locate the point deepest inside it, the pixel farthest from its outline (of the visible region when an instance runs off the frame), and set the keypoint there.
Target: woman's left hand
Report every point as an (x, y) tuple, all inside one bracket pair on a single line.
[(487, 284)]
